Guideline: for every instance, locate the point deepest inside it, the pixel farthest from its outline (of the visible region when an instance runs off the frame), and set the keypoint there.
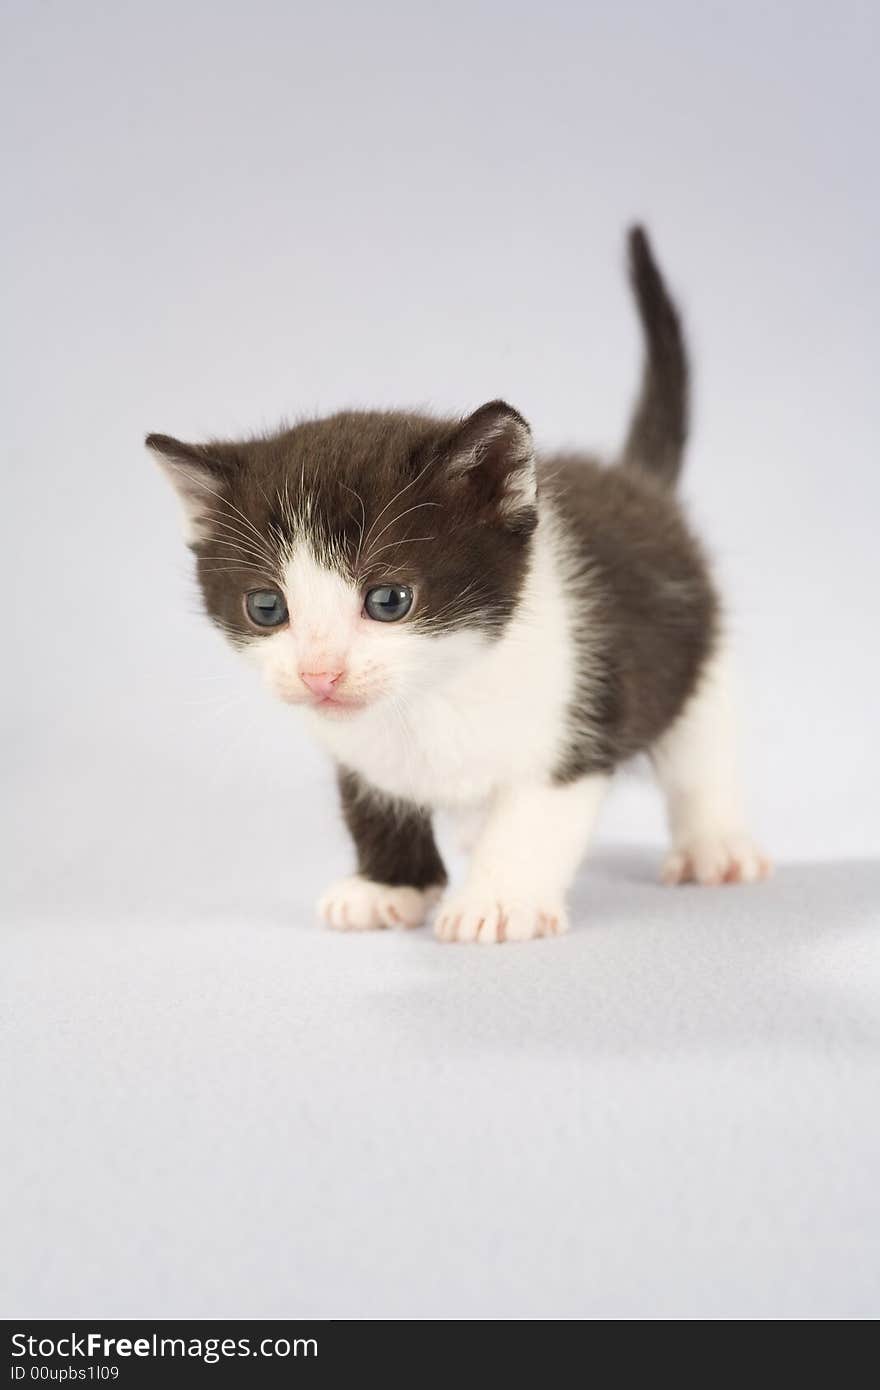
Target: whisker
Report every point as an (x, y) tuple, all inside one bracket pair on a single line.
[(287, 508), (394, 521), (454, 609), (235, 529), (235, 536), (410, 540), (235, 543), (236, 635), (406, 487), (239, 553), (245, 568), (357, 495), (224, 501), (240, 569)]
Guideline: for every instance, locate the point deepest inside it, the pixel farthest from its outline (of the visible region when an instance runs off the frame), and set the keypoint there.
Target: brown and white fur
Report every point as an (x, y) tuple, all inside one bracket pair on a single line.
[(563, 620)]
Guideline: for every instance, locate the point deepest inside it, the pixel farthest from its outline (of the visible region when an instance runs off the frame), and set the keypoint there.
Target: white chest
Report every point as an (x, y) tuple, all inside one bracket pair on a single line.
[(454, 748), (502, 718)]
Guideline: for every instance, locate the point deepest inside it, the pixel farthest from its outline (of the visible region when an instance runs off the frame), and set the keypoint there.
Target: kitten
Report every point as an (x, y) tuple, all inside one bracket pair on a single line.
[(467, 626)]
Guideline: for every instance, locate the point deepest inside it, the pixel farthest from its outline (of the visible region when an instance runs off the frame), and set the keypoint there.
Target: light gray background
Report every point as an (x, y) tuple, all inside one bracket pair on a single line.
[(219, 214)]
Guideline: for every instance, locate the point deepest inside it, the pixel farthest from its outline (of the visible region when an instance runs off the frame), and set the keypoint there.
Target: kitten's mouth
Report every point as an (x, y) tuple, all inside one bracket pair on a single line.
[(336, 705), (331, 705)]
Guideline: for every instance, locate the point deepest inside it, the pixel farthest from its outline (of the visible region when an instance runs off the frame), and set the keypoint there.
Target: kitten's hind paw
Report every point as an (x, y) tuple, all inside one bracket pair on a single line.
[(715, 858), (359, 904)]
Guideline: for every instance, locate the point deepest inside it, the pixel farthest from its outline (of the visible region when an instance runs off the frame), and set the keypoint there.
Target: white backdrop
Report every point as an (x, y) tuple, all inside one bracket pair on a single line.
[(222, 214)]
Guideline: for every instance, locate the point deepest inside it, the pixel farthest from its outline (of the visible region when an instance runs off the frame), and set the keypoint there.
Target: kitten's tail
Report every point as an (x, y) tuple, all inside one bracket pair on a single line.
[(658, 432)]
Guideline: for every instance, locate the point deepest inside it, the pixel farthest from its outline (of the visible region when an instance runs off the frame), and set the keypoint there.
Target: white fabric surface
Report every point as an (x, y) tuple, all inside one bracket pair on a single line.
[(219, 214), (216, 1108)]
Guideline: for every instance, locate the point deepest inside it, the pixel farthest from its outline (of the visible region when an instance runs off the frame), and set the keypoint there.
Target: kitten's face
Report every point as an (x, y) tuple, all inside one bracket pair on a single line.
[(365, 557)]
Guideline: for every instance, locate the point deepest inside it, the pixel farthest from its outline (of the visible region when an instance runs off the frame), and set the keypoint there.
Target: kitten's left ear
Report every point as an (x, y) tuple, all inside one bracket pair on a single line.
[(197, 474), (493, 449)]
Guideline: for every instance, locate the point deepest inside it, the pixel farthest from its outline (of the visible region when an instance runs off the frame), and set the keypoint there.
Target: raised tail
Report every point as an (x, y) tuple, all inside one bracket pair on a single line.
[(658, 432)]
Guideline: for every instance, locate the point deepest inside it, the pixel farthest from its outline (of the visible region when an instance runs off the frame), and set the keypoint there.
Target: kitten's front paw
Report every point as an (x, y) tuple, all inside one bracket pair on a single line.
[(359, 904), (715, 858), (491, 921)]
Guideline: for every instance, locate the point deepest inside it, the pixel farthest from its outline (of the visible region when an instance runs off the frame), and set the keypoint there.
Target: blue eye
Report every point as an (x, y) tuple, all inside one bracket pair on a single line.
[(388, 603), (266, 607)]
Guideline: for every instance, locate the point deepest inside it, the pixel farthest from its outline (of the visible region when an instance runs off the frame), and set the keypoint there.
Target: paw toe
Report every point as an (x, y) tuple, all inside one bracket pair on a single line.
[(492, 922), (359, 904), (716, 859)]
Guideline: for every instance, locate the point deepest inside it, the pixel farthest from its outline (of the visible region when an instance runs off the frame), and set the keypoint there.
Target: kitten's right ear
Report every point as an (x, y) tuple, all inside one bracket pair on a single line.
[(196, 473)]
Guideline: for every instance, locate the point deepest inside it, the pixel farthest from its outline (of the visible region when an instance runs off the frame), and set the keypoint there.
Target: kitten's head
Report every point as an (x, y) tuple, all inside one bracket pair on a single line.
[(363, 557)]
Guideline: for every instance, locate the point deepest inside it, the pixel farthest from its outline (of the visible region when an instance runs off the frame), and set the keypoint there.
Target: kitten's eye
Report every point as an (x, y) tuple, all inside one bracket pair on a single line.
[(266, 607), (388, 603)]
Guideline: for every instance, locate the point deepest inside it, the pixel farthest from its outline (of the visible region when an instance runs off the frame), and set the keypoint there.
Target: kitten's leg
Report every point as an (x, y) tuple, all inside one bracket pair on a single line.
[(469, 822), (696, 765), (523, 862), (400, 874)]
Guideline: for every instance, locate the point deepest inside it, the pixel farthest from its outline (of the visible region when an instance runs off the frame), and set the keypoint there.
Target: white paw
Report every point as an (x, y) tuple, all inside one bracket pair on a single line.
[(358, 904), (716, 857), (490, 921)]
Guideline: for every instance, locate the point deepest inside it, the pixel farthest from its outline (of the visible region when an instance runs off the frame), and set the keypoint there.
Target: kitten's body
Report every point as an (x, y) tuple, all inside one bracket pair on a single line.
[(562, 621)]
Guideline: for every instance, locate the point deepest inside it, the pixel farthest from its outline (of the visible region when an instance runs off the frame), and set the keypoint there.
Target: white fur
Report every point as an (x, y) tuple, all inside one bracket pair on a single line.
[(697, 767), (195, 492), (523, 862), (358, 904)]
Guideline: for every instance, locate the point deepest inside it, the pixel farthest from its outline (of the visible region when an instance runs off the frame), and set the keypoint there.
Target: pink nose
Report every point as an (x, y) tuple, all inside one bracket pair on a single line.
[(320, 682)]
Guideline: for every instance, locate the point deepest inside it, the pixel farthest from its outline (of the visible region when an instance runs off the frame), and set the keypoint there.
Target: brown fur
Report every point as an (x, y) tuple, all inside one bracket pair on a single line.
[(394, 840), (653, 614), (658, 432), (450, 478)]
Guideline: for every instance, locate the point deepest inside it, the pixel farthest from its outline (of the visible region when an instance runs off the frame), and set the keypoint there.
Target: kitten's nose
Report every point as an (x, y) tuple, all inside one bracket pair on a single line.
[(320, 682)]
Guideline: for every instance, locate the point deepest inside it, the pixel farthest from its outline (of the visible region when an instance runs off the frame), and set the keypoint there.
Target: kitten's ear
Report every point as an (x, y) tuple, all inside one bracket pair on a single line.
[(493, 450), (196, 473)]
